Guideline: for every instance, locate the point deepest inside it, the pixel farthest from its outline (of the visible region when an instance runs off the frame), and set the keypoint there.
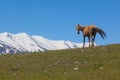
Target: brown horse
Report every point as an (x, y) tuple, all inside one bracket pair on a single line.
[(90, 32)]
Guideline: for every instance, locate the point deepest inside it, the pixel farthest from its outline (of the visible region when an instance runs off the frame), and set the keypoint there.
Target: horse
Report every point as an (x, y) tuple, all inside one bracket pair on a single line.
[(90, 32)]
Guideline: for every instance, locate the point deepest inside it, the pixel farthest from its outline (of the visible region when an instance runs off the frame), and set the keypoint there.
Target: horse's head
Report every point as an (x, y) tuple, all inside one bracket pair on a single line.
[(78, 29)]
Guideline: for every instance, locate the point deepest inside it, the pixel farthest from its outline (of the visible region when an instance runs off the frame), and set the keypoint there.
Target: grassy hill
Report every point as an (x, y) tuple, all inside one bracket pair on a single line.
[(98, 63)]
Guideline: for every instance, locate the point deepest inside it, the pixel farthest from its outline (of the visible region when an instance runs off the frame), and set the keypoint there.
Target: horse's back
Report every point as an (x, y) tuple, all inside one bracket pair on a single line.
[(88, 30)]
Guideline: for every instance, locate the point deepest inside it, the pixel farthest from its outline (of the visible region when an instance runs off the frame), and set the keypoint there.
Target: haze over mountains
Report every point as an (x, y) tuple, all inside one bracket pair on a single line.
[(22, 42)]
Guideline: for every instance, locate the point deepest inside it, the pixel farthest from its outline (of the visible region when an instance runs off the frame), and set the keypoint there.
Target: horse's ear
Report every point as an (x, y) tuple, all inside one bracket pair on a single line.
[(78, 25)]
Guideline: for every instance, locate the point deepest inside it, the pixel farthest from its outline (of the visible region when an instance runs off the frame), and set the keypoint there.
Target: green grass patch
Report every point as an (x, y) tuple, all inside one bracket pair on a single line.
[(98, 63)]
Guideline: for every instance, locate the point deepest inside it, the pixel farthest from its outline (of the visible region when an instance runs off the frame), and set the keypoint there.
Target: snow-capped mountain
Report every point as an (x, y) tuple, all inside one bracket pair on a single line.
[(22, 42)]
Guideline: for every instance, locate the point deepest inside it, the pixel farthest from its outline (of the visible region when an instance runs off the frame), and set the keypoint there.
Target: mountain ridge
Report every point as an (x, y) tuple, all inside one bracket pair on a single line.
[(22, 42)]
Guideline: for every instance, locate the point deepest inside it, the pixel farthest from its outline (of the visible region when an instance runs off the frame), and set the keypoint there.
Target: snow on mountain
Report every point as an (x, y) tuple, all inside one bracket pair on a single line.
[(22, 42)]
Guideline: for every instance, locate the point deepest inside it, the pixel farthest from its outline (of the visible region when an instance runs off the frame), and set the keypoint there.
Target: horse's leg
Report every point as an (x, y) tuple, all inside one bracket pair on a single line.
[(83, 41), (89, 41), (93, 39)]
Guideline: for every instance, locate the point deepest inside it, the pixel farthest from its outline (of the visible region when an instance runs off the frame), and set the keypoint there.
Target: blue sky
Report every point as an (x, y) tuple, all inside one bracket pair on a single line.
[(56, 19)]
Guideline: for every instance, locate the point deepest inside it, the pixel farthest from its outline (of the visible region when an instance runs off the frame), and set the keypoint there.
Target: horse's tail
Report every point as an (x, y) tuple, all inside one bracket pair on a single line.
[(101, 32)]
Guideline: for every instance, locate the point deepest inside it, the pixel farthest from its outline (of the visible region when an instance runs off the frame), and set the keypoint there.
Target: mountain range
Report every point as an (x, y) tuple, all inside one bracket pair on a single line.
[(22, 42)]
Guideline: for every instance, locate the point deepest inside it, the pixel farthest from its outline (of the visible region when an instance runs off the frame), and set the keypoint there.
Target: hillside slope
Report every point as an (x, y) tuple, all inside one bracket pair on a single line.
[(98, 63)]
